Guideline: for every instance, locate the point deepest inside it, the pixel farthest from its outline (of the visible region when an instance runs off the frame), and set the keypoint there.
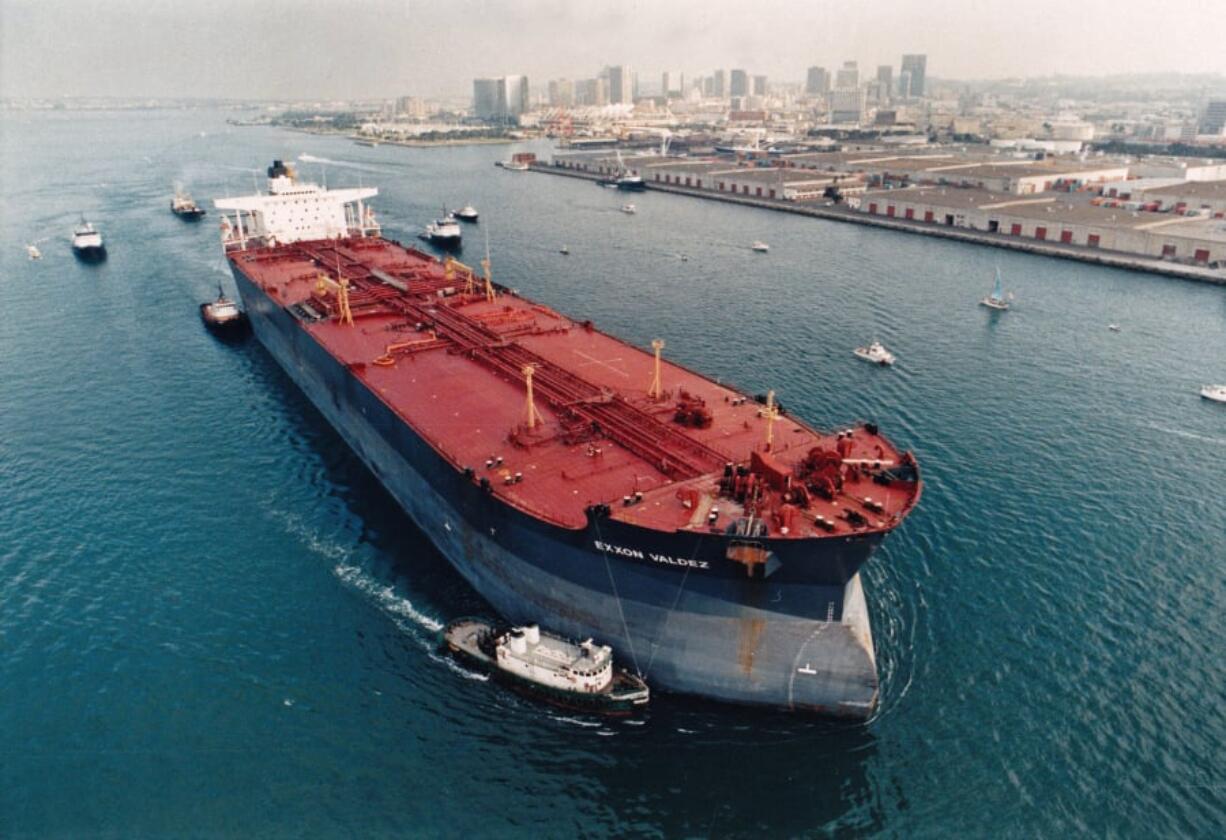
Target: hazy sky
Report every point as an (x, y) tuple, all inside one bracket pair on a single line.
[(383, 48)]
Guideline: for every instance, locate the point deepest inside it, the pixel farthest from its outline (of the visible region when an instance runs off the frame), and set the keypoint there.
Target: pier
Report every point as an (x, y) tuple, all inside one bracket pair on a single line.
[(839, 213)]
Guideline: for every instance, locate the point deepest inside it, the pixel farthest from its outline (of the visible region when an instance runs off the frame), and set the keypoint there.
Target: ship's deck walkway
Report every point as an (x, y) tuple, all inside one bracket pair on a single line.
[(450, 358)]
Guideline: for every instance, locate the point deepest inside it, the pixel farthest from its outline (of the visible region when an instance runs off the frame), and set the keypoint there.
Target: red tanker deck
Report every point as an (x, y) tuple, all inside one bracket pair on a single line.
[(449, 354)]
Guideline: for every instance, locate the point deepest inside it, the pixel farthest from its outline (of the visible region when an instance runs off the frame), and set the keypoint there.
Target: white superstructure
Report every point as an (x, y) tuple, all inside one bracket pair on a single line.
[(294, 210), (550, 661), (86, 236)]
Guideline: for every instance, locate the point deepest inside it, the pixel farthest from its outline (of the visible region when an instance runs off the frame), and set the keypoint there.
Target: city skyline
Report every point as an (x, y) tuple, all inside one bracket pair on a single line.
[(381, 49)]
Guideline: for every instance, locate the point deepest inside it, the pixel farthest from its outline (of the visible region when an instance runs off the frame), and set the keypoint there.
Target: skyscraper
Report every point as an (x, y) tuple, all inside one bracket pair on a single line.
[(885, 75), (719, 87), (485, 99), (621, 89), (916, 65), (1213, 121), (817, 81), (759, 86), (738, 83), (848, 77)]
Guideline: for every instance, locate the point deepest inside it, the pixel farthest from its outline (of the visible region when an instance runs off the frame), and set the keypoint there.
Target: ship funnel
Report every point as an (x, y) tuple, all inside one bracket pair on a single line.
[(518, 643), (533, 634)]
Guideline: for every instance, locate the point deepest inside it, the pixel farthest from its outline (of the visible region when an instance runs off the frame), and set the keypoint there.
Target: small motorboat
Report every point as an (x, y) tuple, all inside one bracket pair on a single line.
[(1217, 393), (222, 315), (574, 675), (33, 252), (760, 247), (1113, 327), (629, 209), (997, 299), (564, 251), (875, 353), (467, 213)]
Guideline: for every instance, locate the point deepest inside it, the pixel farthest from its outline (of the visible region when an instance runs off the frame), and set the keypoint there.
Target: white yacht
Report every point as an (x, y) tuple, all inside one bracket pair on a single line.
[(33, 252), (1217, 393), (760, 247), (875, 353), (629, 209), (467, 213), (1113, 327), (87, 243)]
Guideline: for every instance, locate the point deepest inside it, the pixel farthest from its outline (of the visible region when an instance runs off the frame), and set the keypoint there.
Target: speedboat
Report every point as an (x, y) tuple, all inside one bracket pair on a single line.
[(564, 250), (574, 675), (760, 247), (444, 232), (1113, 327), (629, 209), (875, 353), (33, 252), (467, 213), (1217, 393), (997, 299), (87, 243)]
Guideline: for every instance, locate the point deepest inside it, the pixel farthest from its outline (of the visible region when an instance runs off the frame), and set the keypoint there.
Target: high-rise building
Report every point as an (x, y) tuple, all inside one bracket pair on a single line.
[(1213, 121), (738, 83), (759, 86), (847, 105), (719, 86), (505, 98), (485, 99), (561, 93), (848, 77), (885, 75), (515, 101), (917, 66), (904, 84), (621, 86), (411, 106), (817, 81)]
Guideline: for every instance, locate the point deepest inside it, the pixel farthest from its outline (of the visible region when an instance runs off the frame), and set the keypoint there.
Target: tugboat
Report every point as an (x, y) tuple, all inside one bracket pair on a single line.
[(574, 675), (444, 232), (222, 316), (185, 207), (875, 353), (87, 243), (467, 214)]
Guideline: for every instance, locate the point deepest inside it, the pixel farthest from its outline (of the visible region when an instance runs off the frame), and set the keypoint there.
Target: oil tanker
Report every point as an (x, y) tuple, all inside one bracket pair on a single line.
[(573, 479)]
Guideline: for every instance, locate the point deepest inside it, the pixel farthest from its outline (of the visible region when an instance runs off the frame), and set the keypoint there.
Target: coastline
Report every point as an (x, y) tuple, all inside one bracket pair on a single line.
[(838, 213)]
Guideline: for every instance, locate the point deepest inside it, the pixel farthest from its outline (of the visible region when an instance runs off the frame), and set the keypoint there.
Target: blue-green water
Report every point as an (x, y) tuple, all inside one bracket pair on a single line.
[(213, 621)]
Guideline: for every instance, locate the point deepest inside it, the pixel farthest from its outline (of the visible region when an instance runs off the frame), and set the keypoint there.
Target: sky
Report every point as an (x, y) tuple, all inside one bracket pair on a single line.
[(308, 49)]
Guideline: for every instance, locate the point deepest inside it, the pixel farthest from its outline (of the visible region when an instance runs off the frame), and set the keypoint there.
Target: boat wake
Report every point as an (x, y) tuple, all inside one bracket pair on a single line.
[(305, 158), (1185, 434), (386, 597)]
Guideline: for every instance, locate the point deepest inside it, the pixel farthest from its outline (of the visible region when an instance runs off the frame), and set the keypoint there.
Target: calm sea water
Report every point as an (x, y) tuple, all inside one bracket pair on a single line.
[(214, 621)]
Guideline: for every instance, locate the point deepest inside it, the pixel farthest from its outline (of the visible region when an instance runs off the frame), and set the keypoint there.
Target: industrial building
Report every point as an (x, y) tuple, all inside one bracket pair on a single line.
[(1055, 217)]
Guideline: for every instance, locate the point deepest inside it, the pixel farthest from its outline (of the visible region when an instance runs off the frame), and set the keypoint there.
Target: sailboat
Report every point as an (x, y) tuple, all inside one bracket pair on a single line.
[(997, 299)]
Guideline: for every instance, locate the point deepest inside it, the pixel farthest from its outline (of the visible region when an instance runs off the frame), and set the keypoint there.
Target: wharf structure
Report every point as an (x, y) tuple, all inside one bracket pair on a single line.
[(1163, 215)]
